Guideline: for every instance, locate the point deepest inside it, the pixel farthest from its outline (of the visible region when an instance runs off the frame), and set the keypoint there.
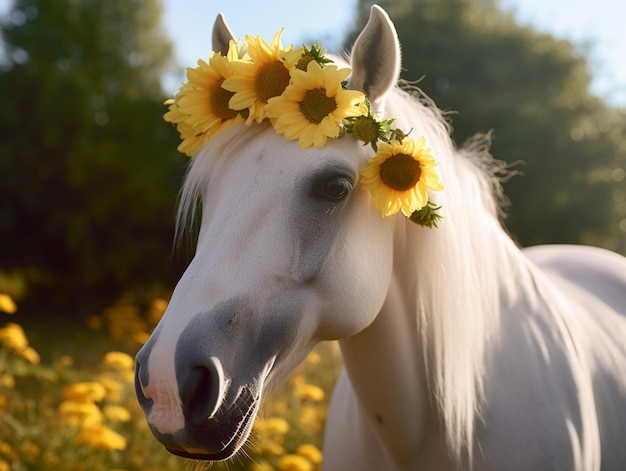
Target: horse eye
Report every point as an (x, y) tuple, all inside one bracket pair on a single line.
[(334, 189)]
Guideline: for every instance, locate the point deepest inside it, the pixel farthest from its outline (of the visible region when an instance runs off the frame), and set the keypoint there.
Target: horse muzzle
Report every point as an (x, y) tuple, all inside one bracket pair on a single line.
[(208, 420), (200, 385)]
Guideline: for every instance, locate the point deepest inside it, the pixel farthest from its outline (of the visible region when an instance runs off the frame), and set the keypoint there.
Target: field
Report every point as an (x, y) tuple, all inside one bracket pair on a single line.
[(67, 399)]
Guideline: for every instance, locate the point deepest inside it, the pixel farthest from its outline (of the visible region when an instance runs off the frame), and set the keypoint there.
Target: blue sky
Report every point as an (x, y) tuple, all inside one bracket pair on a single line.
[(598, 27)]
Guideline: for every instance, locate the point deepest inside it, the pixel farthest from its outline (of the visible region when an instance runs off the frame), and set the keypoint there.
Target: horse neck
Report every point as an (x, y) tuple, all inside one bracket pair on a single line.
[(387, 372), (418, 368), (423, 359)]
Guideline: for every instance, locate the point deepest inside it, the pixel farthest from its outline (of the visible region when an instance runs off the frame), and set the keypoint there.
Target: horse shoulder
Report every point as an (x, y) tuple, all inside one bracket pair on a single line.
[(531, 416), (599, 272), (592, 285)]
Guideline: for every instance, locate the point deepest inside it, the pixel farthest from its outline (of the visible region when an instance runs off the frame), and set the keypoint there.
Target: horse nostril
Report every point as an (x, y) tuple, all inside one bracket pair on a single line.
[(201, 391), (140, 378), (195, 394)]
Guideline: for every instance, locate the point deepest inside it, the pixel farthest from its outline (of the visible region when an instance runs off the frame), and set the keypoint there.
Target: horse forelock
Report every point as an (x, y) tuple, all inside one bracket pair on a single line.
[(204, 166)]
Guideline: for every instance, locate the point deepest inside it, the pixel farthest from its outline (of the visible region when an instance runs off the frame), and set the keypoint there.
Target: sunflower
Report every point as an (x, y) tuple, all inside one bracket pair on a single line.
[(314, 105), (265, 75), (400, 175), (191, 140), (200, 109), (368, 129)]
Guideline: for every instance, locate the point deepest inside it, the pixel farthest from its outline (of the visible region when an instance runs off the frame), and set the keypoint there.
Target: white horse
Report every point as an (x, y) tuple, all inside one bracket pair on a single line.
[(461, 350)]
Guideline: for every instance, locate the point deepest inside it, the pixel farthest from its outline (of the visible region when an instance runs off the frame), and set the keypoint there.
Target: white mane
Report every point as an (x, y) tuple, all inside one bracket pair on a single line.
[(457, 267)]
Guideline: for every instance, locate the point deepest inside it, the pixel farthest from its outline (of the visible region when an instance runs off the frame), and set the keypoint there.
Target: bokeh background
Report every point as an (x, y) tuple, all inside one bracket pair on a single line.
[(89, 175)]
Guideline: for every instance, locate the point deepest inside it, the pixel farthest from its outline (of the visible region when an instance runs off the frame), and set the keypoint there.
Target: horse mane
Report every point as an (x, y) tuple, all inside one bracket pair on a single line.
[(456, 266)]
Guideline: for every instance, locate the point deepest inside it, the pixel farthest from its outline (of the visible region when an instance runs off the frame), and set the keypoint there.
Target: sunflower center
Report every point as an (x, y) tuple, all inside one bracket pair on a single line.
[(219, 103), (315, 105), (271, 80), (400, 172), (365, 129), (304, 61)]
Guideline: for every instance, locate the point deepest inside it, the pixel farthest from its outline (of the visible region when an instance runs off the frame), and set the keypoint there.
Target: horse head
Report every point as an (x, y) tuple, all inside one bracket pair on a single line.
[(289, 254)]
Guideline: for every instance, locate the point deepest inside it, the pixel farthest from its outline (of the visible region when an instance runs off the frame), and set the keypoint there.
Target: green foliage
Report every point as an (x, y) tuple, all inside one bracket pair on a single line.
[(532, 90), (88, 169)]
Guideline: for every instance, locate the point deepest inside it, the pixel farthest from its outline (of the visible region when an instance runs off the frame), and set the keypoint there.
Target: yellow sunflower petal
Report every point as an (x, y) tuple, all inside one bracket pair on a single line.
[(305, 140), (329, 127)]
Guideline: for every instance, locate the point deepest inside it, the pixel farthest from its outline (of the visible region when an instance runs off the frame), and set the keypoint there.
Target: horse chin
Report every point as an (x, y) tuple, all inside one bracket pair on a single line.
[(201, 455), (218, 439)]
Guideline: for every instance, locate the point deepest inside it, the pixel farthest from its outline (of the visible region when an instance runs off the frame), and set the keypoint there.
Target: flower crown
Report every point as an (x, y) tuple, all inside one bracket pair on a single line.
[(303, 95)]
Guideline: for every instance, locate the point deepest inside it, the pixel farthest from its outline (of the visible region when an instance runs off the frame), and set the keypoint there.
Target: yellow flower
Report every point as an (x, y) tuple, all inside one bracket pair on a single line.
[(141, 337), (310, 392), (84, 392), (7, 304), (13, 337), (312, 417), (100, 437), (264, 76), (30, 354), (310, 452), (399, 177), (200, 109), (4, 466), (261, 466), (157, 309), (113, 388), (7, 381), (314, 105), (268, 447), (294, 463), (191, 140), (118, 361), (116, 413), (313, 358), (77, 413), (205, 102), (271, 425), (7, 450)]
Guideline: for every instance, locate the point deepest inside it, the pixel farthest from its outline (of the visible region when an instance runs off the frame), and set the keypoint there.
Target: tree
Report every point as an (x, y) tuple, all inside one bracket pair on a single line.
[(88, 170), (532, 90)]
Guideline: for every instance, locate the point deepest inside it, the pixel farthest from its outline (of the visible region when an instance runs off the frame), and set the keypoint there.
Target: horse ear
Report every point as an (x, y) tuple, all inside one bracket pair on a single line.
[(375, 57), (221, 35)]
